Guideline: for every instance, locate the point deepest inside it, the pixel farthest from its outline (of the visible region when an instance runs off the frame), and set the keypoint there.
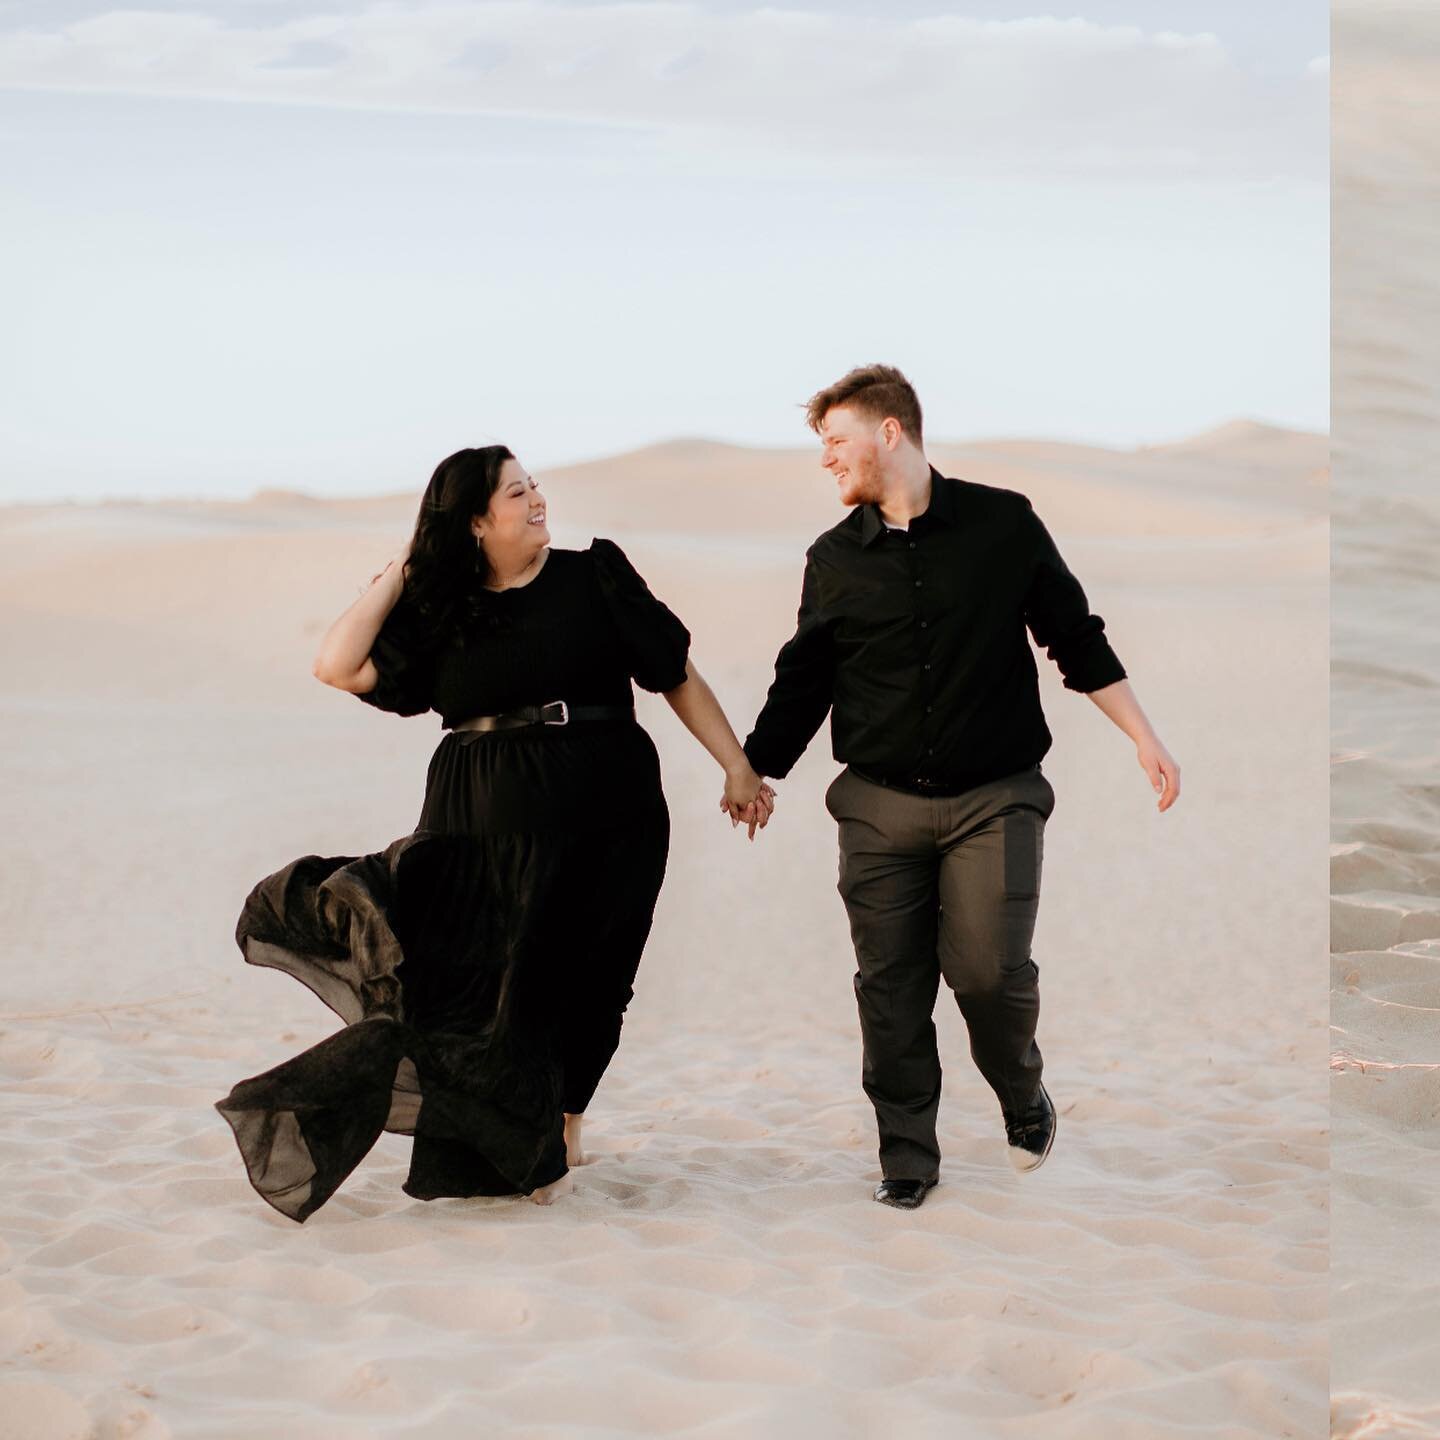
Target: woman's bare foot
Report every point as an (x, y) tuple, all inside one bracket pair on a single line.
[(574, 1150), (549, 1194)]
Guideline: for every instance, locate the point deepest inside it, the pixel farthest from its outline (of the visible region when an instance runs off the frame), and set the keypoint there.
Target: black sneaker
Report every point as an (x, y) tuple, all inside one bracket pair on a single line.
[(903, 1194), (1031, 1134)]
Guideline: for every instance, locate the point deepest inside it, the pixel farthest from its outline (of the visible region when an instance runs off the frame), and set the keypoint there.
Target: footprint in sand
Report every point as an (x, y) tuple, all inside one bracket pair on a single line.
[(134, 1424), (372, 1388)]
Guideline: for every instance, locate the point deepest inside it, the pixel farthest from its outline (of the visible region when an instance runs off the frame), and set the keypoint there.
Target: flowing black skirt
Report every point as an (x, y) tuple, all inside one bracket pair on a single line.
[(482, 965)]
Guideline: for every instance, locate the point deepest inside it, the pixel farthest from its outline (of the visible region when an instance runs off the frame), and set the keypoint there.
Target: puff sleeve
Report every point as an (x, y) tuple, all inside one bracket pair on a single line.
[(656, 644), (404, 658)]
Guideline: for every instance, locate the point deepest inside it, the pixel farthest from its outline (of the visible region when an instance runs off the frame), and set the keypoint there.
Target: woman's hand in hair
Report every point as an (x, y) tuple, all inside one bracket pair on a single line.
[(395, 563), (343, 659)]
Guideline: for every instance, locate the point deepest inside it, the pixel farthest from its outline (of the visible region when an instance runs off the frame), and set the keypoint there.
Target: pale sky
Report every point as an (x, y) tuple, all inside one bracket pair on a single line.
[(322, 245)]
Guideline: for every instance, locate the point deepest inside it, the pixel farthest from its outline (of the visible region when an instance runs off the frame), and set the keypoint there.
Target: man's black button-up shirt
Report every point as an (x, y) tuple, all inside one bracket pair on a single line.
[(915, 640)]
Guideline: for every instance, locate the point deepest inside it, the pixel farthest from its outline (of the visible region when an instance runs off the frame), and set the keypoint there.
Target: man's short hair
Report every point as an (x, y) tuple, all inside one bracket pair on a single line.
[(878, 392)]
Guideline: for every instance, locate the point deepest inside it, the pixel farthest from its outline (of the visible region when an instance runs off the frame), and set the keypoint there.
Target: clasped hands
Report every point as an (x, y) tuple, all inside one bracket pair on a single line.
[(747, 800)]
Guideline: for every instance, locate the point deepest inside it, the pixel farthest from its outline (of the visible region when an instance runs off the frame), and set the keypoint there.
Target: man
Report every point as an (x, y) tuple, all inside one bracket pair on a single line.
[(911, 634)]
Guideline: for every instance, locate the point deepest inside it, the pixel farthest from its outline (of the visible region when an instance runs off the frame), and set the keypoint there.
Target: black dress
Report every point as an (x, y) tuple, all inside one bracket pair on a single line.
[(484, 962)]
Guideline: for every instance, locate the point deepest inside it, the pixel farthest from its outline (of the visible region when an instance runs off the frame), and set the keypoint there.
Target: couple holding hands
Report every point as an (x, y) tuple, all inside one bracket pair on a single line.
[(483, 963)]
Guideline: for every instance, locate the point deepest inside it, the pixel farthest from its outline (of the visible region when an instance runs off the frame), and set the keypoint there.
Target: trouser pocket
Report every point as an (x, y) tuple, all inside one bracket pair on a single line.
[(1024, 832)]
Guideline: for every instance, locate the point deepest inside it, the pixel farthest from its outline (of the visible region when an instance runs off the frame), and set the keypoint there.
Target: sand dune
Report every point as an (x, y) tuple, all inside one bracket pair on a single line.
[(1081, 489), (1385, 868), (720, 1271)]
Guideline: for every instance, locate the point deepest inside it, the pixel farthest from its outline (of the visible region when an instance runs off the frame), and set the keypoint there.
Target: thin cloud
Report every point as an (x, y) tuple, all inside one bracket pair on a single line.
[(942, 96)]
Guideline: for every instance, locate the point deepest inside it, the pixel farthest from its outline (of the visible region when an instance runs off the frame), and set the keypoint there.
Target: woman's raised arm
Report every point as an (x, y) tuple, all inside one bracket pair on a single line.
[(343, 659)]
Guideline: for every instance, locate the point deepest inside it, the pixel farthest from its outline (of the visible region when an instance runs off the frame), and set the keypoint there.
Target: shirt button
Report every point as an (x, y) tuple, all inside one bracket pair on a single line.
[(929, 708), (929, 749), (924, 624), (912, 544), (927, 664), (919, 583)]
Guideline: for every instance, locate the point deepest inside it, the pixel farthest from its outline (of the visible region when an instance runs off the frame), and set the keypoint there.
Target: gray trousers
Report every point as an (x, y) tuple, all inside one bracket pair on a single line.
[(941, 886)]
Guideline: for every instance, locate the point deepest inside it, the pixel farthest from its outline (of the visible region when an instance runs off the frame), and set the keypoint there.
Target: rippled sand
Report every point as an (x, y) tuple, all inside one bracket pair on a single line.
[(1385, 872), (720, 1271)]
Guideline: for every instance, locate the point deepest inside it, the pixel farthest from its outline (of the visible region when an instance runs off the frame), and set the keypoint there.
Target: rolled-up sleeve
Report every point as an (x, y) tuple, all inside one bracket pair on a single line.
[(802, 691), (1058, 616)]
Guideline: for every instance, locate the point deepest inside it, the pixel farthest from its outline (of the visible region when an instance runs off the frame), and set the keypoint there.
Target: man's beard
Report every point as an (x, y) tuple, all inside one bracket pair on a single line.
[(862, 486)]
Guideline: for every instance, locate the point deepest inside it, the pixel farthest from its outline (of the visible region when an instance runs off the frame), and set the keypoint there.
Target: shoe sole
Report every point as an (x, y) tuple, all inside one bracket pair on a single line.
[(1034, 1162), (914, 1204)]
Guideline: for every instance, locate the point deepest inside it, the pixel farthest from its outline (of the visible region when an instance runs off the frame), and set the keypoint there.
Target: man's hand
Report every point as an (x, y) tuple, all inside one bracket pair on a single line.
[(1118, 703), (755, 816), (1156, 761), (747, 800)]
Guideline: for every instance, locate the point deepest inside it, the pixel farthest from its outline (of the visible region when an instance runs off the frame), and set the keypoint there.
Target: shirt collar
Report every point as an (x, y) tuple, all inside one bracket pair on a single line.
[(941, 509)]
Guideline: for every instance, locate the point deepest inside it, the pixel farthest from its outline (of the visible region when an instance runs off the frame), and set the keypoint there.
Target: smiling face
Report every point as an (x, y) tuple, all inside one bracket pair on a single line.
[(513, 529), (854, 450)]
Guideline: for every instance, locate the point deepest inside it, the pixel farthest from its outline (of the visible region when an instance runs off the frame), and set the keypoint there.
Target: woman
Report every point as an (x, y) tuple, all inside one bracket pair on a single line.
[(485, 961)]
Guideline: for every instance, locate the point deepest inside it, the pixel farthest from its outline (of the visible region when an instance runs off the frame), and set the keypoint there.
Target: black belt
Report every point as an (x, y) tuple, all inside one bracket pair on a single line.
[(918, 785), (910, 785), (557, 712)]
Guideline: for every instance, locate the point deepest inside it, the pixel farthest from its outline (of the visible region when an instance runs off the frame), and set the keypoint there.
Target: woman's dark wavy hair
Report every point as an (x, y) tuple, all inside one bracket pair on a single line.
[(445, 560)]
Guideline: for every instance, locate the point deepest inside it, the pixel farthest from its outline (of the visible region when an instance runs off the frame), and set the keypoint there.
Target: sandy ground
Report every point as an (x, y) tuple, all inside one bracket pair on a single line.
[(1386, 675), (720, 1271)]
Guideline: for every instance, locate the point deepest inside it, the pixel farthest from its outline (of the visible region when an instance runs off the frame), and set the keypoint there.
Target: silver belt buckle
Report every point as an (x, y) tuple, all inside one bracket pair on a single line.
[(559, 705)]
